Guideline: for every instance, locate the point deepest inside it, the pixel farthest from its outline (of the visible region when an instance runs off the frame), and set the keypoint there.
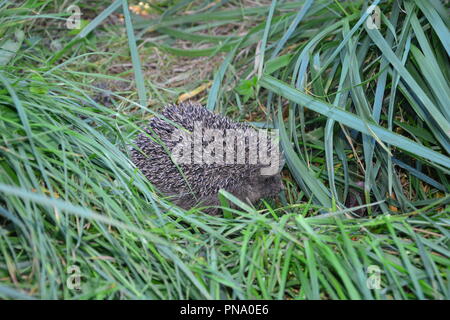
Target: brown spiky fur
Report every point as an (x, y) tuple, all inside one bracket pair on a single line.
[(201, 182)]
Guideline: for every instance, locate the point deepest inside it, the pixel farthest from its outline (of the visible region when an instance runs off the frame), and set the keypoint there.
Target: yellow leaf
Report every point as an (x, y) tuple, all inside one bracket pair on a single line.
[(193, 93)]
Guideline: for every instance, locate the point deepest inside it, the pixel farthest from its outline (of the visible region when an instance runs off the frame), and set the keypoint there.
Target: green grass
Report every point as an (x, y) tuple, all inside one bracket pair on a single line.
[(364, 122)]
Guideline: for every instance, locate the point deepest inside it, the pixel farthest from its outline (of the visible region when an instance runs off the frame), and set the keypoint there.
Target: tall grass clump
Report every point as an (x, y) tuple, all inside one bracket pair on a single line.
[(364, 119)]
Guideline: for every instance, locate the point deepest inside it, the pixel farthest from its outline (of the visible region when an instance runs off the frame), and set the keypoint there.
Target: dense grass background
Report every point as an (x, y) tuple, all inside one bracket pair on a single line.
[(364, 120)]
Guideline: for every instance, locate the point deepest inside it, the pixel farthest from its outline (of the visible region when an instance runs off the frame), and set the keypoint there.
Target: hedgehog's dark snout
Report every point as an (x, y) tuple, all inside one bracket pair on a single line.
[(264, 186)]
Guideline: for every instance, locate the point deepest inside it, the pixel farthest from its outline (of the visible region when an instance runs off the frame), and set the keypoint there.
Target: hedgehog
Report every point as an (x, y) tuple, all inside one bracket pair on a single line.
[(189, 154)]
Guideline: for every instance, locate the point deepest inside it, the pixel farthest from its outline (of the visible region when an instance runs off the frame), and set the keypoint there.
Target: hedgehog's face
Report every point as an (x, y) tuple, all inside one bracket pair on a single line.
[(263, 186)]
